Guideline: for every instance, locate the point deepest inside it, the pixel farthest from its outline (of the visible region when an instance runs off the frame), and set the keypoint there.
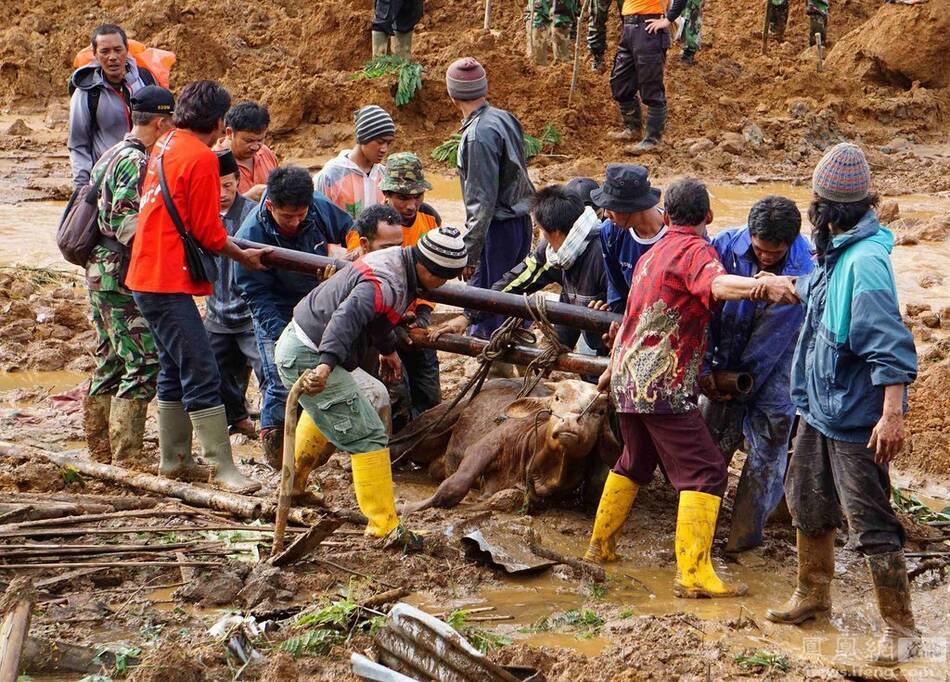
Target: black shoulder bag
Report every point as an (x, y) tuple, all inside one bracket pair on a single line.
[(201, 263)]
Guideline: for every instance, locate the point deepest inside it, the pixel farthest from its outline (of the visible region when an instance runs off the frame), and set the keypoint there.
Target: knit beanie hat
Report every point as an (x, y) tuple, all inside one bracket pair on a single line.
[(466, 79), (442, 252), (373, 122), (842, 174)]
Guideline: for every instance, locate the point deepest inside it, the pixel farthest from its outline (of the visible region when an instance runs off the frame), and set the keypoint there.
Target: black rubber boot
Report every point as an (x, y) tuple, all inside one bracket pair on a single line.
[(632, 123), (688, 57), (597, 63), (656, 121)]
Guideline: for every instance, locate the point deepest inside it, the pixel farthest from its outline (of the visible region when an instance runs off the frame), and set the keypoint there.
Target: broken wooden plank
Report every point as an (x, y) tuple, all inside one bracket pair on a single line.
[(17, 609), (306, 542)]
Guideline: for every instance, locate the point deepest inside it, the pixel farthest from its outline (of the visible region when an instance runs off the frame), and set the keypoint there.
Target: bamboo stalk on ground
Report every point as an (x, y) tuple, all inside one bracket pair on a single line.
[(90, 518), (117, 502), (17, 609)]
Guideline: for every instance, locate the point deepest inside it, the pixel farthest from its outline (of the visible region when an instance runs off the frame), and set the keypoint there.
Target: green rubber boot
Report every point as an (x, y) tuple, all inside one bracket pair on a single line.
[(211, 427), (174, 442)]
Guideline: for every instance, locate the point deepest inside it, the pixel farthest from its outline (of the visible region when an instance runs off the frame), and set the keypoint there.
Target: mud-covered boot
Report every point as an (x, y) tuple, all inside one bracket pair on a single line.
[(95, 423), (402, 45), (127, 430), (778, 20), (174, 443), (818, 24), (656, 122), (612, 511), (597, 64), (211, 429), (816, 568), (380, 43), (901, 639), (539, 45), (688, 58), (632, 123), (561, 39), (272, 445), (695, 527), (311, 450)]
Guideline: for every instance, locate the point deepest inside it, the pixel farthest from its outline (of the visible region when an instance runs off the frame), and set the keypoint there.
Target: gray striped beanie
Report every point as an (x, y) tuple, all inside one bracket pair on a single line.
[(373, 122), (442, 252), (466, 79)]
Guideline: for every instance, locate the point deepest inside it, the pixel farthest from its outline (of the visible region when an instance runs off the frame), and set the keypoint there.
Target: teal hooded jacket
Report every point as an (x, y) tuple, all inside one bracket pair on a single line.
[(853, 342)]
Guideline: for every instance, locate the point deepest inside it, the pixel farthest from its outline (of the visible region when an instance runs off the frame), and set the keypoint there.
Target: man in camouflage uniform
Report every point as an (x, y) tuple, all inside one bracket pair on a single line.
[(540, 31), (127, 361), (817, 11), (692, 30), (597, 31)]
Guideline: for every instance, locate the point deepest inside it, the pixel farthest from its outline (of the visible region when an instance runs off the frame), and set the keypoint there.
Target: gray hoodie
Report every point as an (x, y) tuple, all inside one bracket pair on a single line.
[(112, 115)]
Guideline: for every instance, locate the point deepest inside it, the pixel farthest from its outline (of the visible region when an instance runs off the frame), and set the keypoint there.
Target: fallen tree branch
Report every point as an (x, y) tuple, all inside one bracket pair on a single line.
[(592, 571), (74, 519), (387, 597), (107, 564), (77, 532), (17, 608)]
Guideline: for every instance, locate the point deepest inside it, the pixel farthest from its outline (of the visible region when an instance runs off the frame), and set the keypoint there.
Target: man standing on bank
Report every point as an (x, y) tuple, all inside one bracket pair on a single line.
[(638, 70), (495, 186)]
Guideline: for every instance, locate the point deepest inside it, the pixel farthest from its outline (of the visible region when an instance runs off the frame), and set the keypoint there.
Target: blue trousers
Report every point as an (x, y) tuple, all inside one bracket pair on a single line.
[(506, 244), (766, 428), (189, 371), (273, 393)]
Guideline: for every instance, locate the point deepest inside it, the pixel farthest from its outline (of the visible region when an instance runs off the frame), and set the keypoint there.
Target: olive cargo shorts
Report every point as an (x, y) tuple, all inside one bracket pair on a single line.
[(341, 411)]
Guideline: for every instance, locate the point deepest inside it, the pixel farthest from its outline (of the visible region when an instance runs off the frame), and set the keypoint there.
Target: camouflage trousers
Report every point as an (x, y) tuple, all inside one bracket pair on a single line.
[(565, 13), (126, 356), (811, 6), (597, 25), (693, 26)]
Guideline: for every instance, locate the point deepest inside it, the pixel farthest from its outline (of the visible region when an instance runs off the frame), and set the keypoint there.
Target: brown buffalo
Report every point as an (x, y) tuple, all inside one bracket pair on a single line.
[(545, 444)]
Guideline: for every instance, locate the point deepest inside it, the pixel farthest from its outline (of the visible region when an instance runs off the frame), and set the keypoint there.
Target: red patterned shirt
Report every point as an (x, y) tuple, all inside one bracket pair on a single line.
[(662, 338)]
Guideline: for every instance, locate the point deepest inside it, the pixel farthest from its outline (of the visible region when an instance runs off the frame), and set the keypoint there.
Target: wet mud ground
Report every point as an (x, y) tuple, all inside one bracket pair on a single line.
[(155, 619)]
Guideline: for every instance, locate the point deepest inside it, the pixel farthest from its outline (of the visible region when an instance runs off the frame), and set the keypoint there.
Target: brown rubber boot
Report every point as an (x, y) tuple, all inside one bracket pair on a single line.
[(901, 639), (272, 444), (127, 430), (95, 422), (816, 568)]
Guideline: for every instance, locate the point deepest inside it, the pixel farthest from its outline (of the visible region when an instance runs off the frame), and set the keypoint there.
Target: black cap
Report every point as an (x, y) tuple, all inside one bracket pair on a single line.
[(582, 187), (227, 164), (153, 99), (626, 189)]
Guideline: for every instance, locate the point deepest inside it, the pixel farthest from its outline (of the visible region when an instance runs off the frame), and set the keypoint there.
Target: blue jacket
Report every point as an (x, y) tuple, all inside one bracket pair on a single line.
[(621, 253), (853, 342), (272, 294), (755, 336)]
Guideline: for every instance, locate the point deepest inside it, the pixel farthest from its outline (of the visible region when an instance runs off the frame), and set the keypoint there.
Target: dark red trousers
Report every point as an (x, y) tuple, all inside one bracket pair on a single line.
[(680, 443)]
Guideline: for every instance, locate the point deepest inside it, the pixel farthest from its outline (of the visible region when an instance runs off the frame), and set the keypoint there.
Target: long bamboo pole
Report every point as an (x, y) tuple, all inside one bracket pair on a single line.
[(519, 355), (476, 298)]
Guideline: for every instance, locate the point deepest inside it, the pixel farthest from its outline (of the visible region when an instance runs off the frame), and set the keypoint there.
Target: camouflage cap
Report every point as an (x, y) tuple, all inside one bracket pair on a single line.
[(404, 175)]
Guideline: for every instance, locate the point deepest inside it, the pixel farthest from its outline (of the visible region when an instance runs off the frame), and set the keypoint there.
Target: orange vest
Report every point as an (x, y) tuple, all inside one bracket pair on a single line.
[(631, 7)]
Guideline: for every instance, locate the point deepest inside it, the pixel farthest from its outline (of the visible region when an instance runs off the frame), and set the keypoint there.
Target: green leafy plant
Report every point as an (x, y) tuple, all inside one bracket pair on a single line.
[(408, 75), (906, 502), (122, 653), (312, 642), (483, 640), (448, 151), (327, 626), (584, 622), (24, 678), (762, 661), (597, 591), (71, 475)]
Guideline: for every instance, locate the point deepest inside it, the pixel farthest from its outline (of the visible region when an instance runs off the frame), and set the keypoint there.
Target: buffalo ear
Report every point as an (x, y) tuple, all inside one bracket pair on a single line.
[(526, 407), (551, 386)]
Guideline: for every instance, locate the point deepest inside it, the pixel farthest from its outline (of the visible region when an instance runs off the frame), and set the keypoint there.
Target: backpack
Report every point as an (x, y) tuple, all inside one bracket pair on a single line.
[(92, 102), (78, 232)]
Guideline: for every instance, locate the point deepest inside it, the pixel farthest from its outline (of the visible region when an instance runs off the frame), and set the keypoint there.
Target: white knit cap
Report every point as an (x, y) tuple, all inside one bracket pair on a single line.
[(442, 252)]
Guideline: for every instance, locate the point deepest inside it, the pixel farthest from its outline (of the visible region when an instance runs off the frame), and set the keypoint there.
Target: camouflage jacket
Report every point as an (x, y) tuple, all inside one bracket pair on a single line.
[(124, 169)]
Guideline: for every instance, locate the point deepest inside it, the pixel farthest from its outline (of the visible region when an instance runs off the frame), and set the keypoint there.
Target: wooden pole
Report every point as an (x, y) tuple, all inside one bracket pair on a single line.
[(519, 355), (577, 49), (17, 609), (240, 505), (765, 26), (286, 489), (476, 298), (487, 23)]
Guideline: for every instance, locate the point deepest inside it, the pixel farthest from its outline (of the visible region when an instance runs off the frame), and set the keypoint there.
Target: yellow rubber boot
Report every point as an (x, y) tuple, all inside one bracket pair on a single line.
[(311, 450), (615, 503), (695, 528), (373, 481)]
